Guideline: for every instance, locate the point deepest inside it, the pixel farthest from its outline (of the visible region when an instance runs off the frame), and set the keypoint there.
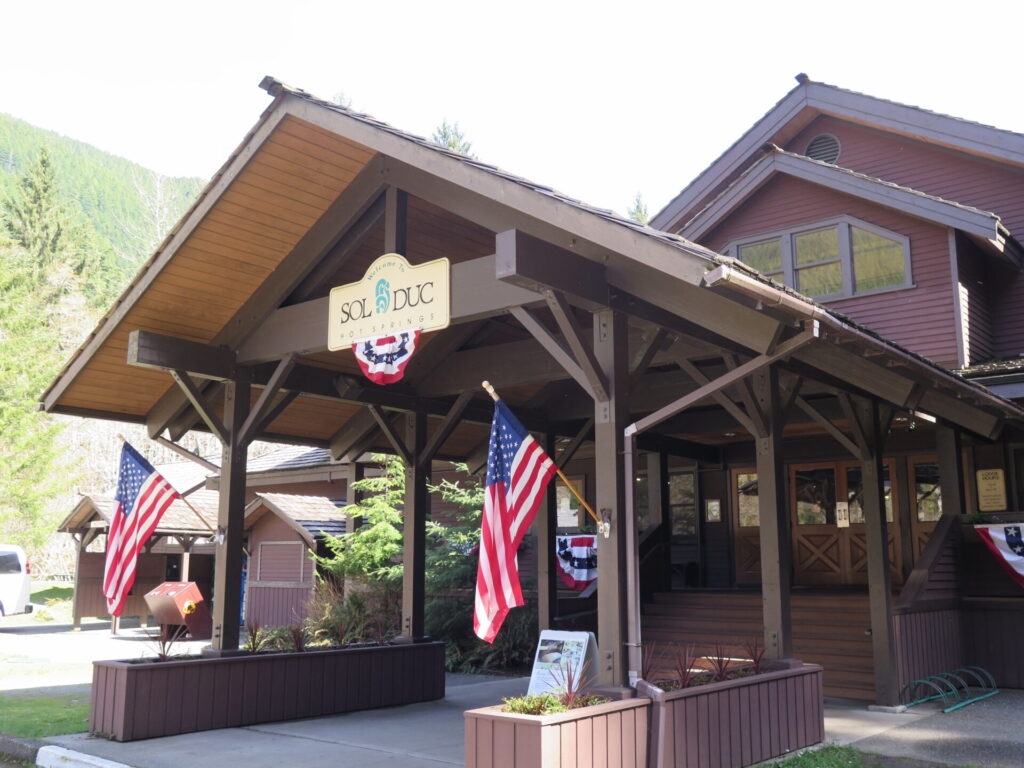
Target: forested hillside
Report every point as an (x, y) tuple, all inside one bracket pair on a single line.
[(128, 206), (75, 224)]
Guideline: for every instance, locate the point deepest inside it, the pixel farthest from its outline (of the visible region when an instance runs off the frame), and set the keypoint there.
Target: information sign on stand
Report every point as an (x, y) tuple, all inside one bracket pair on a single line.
[(558, 652)]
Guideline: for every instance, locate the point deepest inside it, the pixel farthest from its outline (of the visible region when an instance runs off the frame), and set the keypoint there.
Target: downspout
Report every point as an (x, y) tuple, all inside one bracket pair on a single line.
[(634, 650)]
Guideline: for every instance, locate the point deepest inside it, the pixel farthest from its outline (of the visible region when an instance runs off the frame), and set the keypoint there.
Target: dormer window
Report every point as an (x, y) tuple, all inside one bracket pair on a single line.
[(831, 260)]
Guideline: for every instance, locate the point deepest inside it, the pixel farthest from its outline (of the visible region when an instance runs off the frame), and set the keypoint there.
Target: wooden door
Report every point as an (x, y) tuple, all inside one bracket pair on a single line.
[(820, 550), (746, 526), (823, 553), (850, 484), (925, 499)]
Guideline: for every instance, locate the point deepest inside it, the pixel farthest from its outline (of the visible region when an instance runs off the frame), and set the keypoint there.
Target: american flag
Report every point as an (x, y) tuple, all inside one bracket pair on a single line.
[(518, 472), (142, 497)]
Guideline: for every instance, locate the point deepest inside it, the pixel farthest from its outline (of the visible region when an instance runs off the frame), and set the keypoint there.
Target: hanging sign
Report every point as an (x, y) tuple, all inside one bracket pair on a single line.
[(391, 297), (991, 490), (559, 652)]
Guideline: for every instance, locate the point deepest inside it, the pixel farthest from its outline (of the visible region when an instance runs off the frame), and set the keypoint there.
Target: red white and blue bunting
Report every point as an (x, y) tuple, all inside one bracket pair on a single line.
[(383, 360), (1007, 543), (576, 560)]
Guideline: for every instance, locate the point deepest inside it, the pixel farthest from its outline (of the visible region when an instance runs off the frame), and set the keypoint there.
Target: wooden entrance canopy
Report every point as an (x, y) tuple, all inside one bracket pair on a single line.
[(584, 321)]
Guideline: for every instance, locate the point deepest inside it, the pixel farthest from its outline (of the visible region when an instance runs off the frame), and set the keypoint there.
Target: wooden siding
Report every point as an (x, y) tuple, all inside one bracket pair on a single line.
[(927, 643), (829, 628), (206, 694), (945, 173), (89, 600), (993, 628), (974, 269), (739, 722), (280, 574), (612, 735), (919, 318)]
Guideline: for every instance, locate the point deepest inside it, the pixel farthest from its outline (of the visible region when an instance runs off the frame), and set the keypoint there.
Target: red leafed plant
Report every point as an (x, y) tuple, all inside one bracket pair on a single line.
[(754, 651), (718, 661), (684, 662), (650, 654), (572, 686)]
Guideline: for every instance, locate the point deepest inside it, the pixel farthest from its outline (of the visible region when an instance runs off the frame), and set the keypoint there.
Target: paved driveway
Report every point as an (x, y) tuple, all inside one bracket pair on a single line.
[(36, 656)]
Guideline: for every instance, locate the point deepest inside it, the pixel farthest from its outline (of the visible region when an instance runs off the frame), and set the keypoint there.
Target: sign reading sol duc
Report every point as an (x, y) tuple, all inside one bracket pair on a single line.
[(392, 296)]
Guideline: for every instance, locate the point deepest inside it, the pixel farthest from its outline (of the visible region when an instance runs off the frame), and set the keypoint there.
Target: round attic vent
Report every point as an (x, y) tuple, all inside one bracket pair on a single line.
[(824, 147)]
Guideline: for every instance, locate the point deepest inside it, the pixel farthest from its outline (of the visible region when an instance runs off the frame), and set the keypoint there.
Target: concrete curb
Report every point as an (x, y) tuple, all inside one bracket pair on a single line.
[(19, 749), (59, 757)]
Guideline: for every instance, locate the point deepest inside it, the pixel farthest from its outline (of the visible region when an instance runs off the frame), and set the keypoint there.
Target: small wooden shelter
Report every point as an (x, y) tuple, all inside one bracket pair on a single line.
[(595, 329)]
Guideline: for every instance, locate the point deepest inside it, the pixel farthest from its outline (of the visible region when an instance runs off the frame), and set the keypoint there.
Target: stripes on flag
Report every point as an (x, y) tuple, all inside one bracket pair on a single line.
[(518, 472), (143, 495)]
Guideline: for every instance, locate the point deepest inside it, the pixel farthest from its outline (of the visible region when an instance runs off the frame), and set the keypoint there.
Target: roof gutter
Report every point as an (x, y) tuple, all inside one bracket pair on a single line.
[(730, 277)]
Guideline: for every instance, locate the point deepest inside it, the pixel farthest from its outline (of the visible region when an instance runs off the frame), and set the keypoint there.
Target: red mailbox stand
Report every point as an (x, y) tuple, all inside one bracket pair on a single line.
[(181, 602)]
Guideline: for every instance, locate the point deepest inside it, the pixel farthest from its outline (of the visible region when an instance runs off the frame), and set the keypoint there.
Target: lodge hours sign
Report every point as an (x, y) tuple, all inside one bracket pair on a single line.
[(392, 296)]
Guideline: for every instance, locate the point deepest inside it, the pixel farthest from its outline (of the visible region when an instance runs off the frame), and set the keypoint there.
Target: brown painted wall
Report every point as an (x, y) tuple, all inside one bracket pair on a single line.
[(89, 600), (992, 631), (280, 578), (945, 173), (927, 643), (976, 307), (920, 318)]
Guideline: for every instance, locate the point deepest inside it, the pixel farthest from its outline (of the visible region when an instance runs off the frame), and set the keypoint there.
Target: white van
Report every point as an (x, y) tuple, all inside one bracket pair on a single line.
[(15, 581)]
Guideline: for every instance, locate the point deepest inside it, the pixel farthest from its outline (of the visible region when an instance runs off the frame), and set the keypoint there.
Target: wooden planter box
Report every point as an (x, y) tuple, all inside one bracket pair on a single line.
[(738, 722), (612, 735), (141, 700)]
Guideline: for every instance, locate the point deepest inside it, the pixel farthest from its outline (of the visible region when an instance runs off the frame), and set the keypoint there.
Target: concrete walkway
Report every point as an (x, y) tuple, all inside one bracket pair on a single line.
[(430, 735)]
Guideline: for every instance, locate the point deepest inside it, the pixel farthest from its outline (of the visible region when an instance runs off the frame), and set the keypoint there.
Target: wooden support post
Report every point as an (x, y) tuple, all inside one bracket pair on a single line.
[(186, 564), (356, 472), (951, 476), (546, 527), (416, 509), (610, 419), (657, 496), (227, 574), (776, 570), (876, 540)]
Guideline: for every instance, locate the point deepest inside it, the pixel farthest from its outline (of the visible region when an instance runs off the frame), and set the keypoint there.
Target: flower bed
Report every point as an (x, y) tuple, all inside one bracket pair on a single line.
[(132, 700), (612, 734), (736, 722)]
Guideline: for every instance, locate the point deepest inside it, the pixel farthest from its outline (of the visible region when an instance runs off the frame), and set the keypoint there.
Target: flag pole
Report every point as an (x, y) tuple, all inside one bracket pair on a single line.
[(600, 525), (184, 500)]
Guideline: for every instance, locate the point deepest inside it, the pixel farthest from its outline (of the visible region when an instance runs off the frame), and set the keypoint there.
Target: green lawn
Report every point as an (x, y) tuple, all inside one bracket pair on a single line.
[(37, 716), (848, 757)]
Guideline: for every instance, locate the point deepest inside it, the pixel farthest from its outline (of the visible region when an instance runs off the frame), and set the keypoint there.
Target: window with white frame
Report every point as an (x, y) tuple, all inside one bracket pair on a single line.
[(833, 259)]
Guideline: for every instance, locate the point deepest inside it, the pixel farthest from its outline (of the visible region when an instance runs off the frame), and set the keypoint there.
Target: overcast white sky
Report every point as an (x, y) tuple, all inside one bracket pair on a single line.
[(597, 99)]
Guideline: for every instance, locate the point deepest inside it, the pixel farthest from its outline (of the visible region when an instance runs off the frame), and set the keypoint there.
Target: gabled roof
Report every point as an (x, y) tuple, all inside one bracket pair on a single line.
[(810, 99), (310, 516), (290, 457), (981, 224), (180, 518)]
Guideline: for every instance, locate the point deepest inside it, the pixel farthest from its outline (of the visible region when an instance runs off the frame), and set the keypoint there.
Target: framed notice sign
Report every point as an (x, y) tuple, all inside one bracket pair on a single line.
[(558, 652), (991, 490)]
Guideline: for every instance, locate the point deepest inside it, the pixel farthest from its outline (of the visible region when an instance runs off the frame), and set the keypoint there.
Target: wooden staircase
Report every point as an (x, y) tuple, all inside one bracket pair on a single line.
[(829, 628)]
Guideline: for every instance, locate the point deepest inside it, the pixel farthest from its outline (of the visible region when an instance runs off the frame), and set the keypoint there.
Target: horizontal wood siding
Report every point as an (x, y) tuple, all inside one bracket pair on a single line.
[(993, 628), (89, 600), (944, 173), (612, 735), (927, 643), (919, 318), (148, 699), (975, 301), (739, 722)]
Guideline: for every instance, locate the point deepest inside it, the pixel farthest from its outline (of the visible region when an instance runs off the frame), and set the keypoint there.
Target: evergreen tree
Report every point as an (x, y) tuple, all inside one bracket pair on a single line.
[(34, 216), (638, 210), (451, 136)]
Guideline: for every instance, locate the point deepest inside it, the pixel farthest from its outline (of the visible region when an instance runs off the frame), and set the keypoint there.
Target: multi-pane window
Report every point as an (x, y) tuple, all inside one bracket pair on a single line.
[(835, 259)]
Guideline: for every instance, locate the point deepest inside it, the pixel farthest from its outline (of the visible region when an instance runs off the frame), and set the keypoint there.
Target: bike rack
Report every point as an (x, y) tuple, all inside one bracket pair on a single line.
[(952, 688)]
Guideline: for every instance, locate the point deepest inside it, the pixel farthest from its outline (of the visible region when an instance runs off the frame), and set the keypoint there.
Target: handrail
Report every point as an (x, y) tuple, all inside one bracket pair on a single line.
[(917, 582)]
